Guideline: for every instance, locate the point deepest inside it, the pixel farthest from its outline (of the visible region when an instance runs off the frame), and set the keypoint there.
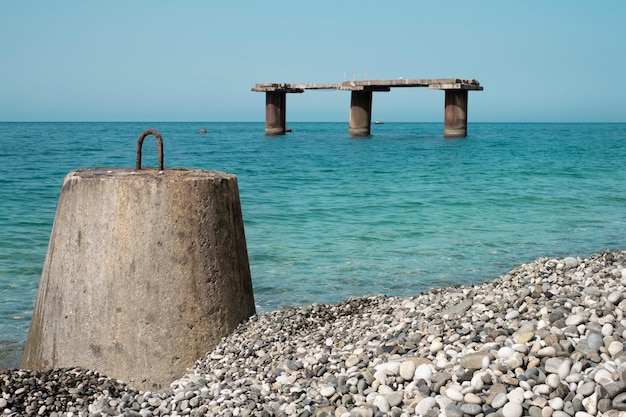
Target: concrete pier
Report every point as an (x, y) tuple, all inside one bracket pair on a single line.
[(455, 112), (360, 113)]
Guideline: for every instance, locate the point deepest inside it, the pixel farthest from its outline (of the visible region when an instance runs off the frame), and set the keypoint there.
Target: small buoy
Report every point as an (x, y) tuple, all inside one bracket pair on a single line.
[(203, 131)]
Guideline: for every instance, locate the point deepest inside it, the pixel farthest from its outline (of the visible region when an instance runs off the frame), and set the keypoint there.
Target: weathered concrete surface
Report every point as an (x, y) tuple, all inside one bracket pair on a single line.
[(455, 114), (275, 113), (145, 272), (360, 113), (372, 85)]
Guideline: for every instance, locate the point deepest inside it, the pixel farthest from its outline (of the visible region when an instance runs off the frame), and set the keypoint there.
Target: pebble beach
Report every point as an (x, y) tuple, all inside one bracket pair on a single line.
[(545, 339)]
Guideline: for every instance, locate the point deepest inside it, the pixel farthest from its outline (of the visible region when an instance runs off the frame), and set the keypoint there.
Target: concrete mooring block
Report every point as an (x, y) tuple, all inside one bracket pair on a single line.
[(146, 271)]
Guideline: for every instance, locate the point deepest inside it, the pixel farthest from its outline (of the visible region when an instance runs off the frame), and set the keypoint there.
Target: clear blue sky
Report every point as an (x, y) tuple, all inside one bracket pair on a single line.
[(140, 60)]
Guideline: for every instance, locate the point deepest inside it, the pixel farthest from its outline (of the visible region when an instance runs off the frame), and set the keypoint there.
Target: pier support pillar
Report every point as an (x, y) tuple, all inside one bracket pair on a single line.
[(360, 113), (275, 112), (455, 117)]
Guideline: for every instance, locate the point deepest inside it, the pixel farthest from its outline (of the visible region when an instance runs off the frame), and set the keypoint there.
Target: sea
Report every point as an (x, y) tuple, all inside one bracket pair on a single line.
[(328, 216)]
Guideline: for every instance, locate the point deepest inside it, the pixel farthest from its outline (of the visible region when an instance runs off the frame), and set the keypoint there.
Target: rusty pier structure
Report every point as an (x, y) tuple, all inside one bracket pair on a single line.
[(455, 111)]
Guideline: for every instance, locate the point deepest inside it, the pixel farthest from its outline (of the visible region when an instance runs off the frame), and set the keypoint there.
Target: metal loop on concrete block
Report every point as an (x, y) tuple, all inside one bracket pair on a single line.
[(159, 139)]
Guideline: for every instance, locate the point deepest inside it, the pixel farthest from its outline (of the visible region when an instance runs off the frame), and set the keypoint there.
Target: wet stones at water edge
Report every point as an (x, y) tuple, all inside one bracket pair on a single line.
[(544, 340)]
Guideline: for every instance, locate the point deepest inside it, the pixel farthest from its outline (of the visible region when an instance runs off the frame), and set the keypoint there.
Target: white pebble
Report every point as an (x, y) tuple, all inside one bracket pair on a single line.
[(424, 406), (607, 329), (327, 391), (385, 390), (574, 320), (564, 369), (603, 377), (556, 403), (424, 372), (513, 314), (454, 394), (472, 398), (591, 404), (407, 370), (436, 346), (615, 347), (382, 403), (616, 296), (516, 395), (553, 380), (499, 400), (390, 368), (505, 352), (512, 409), (381, 377)]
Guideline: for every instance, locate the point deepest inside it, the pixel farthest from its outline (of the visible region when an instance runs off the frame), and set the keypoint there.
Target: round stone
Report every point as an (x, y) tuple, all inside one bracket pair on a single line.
[(516, 395), (385, 390), (595, 341), (452, 410), (552, 365), (499, 400), (505, 352), (526, 337), (586, 388), (454, 394), (574, 320), (615, 296), (394, 399), (564, 369), (424, 371), (512, 409), (475, 360), (424, 406), (327, 391), (382, 403), (591, 404), (471, 409), (570, 262), (407, 370), (390, 368), (556, 403), (553, 380), (607, 329), (603, 377), (547, 351), (472, 398), (436, 346), (352, 361), (513, 314), (615, 348)]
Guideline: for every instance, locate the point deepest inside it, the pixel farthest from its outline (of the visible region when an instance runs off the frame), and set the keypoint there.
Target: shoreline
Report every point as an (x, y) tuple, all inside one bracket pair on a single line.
[(545, 339)]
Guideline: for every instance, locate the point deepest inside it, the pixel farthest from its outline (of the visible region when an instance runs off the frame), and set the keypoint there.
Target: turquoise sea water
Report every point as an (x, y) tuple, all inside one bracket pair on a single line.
[(328, 216)]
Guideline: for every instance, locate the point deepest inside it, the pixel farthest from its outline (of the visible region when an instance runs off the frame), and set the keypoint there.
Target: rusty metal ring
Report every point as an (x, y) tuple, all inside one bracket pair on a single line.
[(159, 139)]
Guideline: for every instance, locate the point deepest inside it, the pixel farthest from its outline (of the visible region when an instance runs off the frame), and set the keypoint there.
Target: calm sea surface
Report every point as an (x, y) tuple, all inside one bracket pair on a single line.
[(328, 216)]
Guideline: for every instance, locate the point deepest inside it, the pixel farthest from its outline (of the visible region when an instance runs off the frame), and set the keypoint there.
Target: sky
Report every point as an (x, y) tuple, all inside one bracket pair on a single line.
[(157, 60)]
